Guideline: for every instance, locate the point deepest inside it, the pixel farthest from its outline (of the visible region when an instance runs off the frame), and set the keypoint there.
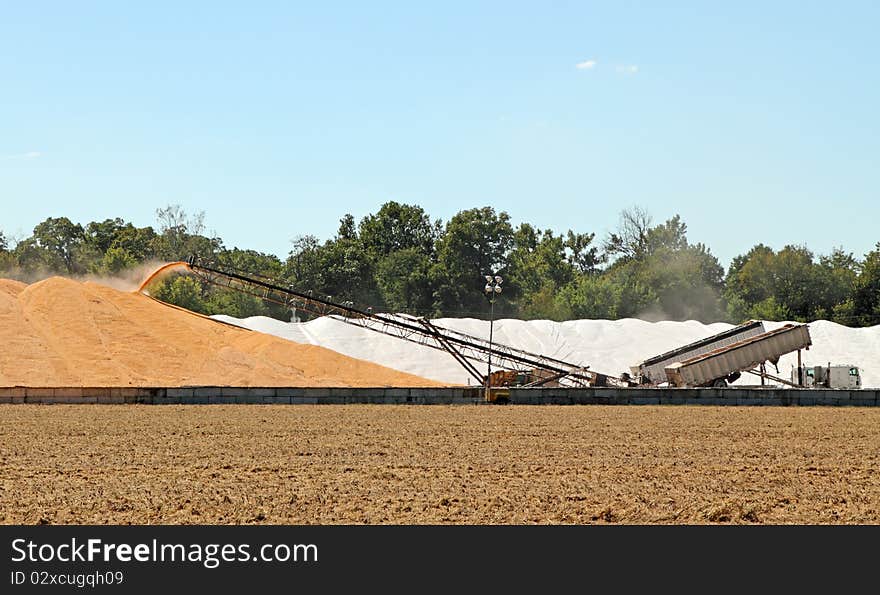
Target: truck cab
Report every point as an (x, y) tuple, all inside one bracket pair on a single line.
[(836, 376)]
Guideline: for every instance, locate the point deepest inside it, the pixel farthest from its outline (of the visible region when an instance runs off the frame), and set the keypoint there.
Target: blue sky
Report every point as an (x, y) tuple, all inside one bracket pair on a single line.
[(755, 121)]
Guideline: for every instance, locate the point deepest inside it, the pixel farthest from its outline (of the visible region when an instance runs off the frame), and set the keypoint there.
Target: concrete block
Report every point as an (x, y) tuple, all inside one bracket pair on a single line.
[(36, 395), (179, 393), (400, 392), (68, 392), (289, 392), (371, 392), (341, 392), (645, 400), (216, 399), (244, 400), (672, 399), (824, 394), (13, 391), (522, 399), (153, 393), (594, 400), (230, 391), (318, 393), (309, 400), (124, 391), (273, 400), (96, 391), (263, 391), (62, 400), (551, 393), (207, 391), (750, 401), (773, 402), (170, 398), (718, 401), (825, 401), (111, 400), (850, 403)]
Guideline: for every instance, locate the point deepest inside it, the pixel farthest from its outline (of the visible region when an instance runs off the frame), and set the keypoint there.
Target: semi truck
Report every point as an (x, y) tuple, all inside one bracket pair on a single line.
[(725, 364), (653, 369)]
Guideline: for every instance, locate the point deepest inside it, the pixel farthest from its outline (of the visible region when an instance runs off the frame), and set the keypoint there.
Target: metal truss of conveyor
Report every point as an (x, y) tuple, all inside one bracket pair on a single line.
[(466, 349)]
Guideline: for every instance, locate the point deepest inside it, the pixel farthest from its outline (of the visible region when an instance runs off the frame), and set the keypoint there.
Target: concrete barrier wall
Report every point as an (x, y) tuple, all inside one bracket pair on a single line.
[(440, 396)]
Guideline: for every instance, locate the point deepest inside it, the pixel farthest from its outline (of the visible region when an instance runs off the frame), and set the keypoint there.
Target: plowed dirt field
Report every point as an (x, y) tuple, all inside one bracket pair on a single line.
[(438, 464)]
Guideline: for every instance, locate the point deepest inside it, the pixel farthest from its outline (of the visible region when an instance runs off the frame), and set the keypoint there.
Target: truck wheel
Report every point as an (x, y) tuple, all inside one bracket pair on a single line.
[(720, 383)]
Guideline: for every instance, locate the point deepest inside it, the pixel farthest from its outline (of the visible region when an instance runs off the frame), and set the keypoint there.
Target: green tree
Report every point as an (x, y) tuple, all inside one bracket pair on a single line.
[(659, 273), (62, 239), (591, 297), (537, 267), (790, 284), (7, 259), (398, 227), (116, 260), (181, 235), (339, 269), (582, 256), (838, 272), (140, 242), (347, 273), (751, 279), (403, 278), (630, 240), (33, 260), (302, 269), (182, 291), (101, 235), (232, 302), (866, 295), (474, 243)]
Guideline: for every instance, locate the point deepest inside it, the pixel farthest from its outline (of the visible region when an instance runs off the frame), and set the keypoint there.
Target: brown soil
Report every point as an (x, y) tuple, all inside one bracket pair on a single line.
[(61, 332), (438, 464)]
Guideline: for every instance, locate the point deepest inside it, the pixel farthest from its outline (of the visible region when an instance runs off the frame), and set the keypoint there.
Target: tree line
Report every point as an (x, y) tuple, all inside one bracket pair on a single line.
[(400, 260)]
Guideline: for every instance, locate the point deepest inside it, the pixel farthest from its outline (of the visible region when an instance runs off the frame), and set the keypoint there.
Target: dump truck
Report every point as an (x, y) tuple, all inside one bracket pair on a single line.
[(836, 376), (653, 369), (725, 364)]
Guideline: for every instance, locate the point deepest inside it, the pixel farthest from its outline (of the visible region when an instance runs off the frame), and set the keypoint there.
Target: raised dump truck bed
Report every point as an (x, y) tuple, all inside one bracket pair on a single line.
[(719, 365), (653, 369)]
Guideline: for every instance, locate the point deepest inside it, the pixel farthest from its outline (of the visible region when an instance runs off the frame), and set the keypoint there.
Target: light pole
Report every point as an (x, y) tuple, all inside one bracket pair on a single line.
[(492, 289)]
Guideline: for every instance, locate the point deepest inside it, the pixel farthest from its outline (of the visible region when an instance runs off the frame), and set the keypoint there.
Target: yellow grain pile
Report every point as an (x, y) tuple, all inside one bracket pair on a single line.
[(61, 332)]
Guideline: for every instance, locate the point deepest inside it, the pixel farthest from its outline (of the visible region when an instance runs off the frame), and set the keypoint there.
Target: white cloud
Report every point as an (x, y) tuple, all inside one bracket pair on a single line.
[(28, 155), (586, 65), (628, 69)]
